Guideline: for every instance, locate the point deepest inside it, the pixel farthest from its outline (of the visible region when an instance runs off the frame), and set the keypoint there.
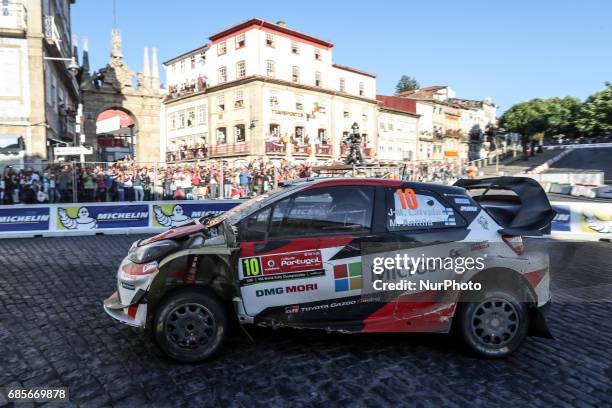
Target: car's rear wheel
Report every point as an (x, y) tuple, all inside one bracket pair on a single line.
[(190, 325), (495, 325)]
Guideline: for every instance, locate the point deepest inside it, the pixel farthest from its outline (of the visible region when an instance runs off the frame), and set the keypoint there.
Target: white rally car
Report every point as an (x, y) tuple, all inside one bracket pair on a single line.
[(303, 256)]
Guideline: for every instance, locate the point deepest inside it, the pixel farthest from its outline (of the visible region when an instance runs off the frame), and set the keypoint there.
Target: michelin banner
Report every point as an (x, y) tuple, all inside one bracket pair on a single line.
[(24, 218), (91, 218)]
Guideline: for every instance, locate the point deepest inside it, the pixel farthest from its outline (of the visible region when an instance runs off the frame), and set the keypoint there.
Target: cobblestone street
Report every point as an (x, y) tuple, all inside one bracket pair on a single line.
[(54, 332)]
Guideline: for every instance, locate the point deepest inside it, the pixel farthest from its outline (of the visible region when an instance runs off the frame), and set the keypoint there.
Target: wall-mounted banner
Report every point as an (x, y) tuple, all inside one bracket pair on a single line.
[(95, 217), (24, 218), (175, 214)]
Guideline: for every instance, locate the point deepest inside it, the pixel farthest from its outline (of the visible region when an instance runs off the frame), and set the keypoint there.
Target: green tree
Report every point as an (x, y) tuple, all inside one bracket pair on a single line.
[(595, 116), (406, 83), (548, 117)]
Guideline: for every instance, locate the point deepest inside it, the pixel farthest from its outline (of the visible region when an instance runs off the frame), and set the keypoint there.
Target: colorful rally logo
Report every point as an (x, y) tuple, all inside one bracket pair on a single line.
[(348, 277)]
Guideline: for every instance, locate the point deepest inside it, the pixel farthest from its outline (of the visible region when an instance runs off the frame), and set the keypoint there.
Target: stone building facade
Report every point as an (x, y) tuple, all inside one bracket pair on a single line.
[(38, 94), (263, 89)]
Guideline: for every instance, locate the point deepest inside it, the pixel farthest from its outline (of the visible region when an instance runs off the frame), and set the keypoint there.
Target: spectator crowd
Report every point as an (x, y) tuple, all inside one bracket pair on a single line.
[(129, 181)]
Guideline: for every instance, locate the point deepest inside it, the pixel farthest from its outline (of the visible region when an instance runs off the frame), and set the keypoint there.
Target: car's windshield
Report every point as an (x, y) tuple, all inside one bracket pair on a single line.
[(235, 214)]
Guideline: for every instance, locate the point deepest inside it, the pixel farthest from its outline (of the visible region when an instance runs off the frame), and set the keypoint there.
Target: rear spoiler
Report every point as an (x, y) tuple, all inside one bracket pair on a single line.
[(527, 213)]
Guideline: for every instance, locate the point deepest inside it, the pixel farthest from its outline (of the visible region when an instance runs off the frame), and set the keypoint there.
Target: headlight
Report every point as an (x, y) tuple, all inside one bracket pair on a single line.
[(152, 251)]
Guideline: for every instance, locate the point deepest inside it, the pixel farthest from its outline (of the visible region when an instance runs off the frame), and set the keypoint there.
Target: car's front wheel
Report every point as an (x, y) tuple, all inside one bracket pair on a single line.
[(495, 325), (190, 325)]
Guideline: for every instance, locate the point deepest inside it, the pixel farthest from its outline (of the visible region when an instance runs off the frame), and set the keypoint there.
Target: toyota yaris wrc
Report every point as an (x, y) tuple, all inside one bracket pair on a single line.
[(348, 255)]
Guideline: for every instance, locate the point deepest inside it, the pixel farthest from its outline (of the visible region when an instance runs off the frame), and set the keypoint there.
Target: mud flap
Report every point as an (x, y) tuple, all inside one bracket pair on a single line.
[(538, 326)]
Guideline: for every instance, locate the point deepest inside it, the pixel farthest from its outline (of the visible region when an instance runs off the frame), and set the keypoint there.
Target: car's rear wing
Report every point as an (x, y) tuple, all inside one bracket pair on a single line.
[(519, 204)]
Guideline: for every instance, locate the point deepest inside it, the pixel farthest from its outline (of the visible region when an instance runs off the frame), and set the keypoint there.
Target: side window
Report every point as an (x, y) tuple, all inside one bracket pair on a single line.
[(255, 227), (328, 210), (416, 210)]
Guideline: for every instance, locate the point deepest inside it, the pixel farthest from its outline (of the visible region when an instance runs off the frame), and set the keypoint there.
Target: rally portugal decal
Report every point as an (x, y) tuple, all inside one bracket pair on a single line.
[(291, 265)]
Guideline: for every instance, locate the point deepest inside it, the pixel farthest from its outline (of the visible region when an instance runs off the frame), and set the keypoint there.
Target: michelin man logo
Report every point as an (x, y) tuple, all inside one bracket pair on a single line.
[(81, 222), (597, 221), (177, 218)]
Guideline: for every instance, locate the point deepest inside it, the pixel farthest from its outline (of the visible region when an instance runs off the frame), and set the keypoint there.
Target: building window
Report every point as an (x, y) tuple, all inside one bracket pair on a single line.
[(241, 69), (193, 62), (202, 115), (221, 102), (346, 110), (240, 133), (342, 85), (317, 54), (221, 48), (322, 136), (172, 122), (240, 40), (270, 68), (299, 102), (295, 73), (202, 58), (222, 75), (295, 48), (270, 39), (299, 134), (239, 99), (181, 121), (361, 88), (274, 130), (191, 118), (273, 98), (364, 117), (318, 80), (390, 126), (182, 66), (221, 136), (174, 68)]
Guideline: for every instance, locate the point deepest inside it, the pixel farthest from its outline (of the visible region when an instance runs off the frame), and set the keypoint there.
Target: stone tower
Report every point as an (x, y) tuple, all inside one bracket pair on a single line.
[(115, 86)]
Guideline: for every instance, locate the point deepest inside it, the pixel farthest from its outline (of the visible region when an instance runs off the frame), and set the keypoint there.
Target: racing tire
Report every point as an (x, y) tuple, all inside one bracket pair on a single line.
[(190, 325), (495, 325)]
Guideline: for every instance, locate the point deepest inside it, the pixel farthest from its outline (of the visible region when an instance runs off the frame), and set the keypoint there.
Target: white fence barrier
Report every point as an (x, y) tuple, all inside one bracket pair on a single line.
[(574, 220), (103, 218)]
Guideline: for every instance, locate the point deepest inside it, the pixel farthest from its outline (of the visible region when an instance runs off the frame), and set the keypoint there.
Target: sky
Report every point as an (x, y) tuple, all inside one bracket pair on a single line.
[(511, 51)]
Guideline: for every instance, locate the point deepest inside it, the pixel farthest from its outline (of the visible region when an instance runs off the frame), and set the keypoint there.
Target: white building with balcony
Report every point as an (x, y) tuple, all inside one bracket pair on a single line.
[(38, 94), (263, 89)]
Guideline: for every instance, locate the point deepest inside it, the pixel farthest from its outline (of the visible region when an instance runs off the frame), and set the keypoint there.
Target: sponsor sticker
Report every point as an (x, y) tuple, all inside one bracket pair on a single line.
[(348, 277), (293, 265), (462, 201), (468, 208), (289, 289)]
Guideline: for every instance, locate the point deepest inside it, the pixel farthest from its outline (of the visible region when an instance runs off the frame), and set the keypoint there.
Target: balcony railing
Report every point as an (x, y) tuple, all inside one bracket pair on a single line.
[(187, 154), (323, 149), (276, 147), (230, 149), (51, 32), (13, 16)]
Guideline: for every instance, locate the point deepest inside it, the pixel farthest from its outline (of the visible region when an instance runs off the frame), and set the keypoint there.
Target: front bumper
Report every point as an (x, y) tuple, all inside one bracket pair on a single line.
[(133, 315)]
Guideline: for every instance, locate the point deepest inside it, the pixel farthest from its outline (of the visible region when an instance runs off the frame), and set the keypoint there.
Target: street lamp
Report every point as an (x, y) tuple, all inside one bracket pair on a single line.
[(73, 67)]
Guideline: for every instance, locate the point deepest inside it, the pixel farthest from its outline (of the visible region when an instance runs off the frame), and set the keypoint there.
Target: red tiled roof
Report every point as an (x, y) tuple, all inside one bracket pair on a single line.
[(397, 103), (271, 26)]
